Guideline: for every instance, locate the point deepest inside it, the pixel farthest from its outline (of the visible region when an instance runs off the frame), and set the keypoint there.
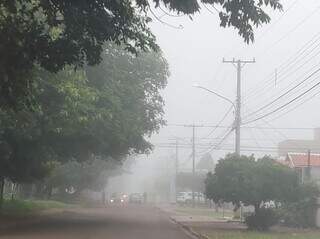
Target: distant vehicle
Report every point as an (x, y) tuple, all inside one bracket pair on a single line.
[(185, 198), (118, 198), (136, 198)]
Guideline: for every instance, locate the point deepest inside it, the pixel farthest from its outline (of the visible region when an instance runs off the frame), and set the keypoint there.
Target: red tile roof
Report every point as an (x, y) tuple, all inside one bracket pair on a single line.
[(301, 160)]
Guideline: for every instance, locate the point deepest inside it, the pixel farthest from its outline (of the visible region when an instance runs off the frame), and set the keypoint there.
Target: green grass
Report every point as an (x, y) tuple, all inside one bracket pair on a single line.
[(203, 212), (21, 207), (260, 235)]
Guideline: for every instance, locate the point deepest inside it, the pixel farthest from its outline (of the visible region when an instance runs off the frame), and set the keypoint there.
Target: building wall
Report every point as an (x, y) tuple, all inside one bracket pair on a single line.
[(316, 134), (315, 174), (318, 214)]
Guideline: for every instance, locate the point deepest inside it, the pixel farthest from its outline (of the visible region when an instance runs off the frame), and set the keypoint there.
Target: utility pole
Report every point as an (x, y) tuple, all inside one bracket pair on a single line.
[(309, 166), (175, 172), (193, 126), (193, 162), (239, 64), (176, 166)]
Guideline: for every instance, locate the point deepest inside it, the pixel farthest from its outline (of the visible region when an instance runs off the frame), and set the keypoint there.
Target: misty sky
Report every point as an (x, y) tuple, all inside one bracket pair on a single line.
[(195, 54), (290, 43)]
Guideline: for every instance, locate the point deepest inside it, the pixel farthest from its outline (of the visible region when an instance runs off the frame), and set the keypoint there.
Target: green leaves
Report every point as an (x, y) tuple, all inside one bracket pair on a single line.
[(58, 34), (55, 34), (105, 111), (251, 182)]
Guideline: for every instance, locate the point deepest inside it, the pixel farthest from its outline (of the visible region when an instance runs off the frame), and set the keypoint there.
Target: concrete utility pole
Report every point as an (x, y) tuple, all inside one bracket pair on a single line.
[(239, 64), (193, 126), (177, 157), (309, 166), (176, 166), (193, 162)]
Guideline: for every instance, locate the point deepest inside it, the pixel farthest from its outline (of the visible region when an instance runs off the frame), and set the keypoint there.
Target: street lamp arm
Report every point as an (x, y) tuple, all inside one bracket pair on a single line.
[(217, 94)]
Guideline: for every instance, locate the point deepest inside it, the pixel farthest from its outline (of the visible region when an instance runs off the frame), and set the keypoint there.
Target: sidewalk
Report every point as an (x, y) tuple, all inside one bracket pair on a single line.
[(196, 219), (200, 225), (193, 215)]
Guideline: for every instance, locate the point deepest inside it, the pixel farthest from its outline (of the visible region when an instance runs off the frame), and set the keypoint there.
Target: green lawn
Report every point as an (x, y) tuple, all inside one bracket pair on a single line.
[(223, 234), (204, 212), (20, 207)]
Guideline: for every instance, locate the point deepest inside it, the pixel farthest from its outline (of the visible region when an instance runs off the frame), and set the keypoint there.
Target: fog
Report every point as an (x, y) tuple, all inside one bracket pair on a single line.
[(194, 50)]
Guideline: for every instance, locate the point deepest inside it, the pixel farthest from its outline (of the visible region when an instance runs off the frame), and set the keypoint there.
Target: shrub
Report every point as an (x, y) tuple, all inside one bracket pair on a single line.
[(262, 219), (302, 212)]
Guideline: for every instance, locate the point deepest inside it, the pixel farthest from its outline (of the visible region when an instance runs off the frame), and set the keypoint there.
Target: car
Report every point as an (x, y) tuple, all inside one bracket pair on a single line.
[(118, 198), (186, 198), (136, 198)]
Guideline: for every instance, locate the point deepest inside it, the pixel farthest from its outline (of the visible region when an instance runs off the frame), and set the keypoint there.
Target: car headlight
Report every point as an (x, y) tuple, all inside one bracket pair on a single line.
[(111, 200), (122, 200)]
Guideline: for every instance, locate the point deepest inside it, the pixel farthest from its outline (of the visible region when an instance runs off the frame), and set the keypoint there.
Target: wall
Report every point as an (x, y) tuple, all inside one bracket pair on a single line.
[(318, 214)]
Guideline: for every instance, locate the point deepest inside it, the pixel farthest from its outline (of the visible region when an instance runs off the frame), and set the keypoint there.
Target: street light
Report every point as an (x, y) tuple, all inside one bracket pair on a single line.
[(237, 120), (217, 94)]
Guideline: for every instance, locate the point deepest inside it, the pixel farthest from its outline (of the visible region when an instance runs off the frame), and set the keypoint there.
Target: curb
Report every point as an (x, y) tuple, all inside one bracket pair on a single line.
[(189, 230)]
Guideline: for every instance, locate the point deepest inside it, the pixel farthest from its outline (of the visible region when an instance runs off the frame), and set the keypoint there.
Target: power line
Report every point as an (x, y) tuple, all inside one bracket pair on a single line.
[(278, 20), (271, 25), (284, 94), (285, 66), (165, 23), (246, 127), (169, 14), (246, 147), (297, 106), (209, 10), (220, 122), (281, 77), (222, 140), (283, 106), (292, 30)]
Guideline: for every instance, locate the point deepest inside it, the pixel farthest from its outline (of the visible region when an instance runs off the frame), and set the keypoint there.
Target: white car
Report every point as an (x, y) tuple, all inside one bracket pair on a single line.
[(186, 197)]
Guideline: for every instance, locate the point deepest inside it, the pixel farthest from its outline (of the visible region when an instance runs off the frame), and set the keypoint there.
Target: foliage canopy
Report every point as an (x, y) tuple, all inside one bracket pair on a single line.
[(242, 179), (54, 34), (105, 111)]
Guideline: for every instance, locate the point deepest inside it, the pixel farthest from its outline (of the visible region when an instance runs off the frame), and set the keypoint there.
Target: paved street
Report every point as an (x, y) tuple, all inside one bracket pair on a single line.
[(134, 222)]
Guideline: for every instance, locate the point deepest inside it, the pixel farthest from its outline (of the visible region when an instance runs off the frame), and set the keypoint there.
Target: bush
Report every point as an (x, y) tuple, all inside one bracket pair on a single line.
[(299, 214), (262, 220), (302, 212)]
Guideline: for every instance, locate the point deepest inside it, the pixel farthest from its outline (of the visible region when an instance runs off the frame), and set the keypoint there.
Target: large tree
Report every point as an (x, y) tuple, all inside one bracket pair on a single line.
[(104, 111), (71, 178), (253, 183), (54, 34), (243, 179)]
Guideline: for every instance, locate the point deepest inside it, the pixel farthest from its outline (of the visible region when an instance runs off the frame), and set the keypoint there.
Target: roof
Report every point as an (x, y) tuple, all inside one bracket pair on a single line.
[(297, 160)]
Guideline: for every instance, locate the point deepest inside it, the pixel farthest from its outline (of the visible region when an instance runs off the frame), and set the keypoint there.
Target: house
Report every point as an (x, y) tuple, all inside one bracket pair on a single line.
[(302, 163)]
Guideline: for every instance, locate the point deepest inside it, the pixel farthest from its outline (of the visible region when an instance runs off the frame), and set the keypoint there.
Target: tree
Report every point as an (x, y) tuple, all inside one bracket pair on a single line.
[(54, 34), (106, 111), (245, 180), (206, 163), (77, 176)]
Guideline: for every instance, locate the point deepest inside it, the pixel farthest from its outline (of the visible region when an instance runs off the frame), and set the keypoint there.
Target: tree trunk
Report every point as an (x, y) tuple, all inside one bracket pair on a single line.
[(1, 191), (49, 194), (256, 208)]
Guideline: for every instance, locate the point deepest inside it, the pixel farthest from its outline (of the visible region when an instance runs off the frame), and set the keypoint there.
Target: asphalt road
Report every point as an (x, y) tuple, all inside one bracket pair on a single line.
[(125, 222)]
